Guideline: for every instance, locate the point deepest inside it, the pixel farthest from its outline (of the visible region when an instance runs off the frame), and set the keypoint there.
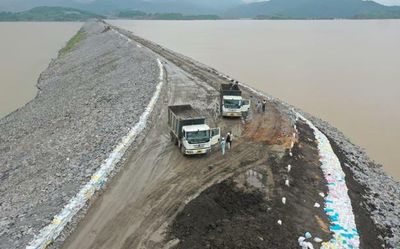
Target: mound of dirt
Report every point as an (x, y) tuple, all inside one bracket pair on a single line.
[(225, 216)]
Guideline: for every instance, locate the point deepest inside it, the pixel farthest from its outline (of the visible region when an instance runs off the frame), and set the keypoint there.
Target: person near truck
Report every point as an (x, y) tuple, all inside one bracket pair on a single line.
[(258, 106), (229, 140), (223, 143), (264, 105)]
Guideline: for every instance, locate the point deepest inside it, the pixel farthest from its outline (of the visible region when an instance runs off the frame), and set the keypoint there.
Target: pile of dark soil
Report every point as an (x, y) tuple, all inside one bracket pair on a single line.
[(226, 217)]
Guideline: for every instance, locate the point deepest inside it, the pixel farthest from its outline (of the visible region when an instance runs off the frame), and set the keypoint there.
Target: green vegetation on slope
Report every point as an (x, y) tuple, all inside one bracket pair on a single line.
[(140, 15), (71, 44), (48, 14)]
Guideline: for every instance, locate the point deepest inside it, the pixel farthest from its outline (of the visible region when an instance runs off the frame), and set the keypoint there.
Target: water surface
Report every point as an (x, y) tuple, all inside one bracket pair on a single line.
[(344, 71), (26, 49)]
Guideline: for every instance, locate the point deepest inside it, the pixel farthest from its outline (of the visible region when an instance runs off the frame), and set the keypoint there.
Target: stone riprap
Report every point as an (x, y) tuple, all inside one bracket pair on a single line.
[(381, 195), (88, 99)]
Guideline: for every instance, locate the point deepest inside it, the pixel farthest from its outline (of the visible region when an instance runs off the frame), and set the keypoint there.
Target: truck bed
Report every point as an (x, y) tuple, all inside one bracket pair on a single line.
[(185, 112), (182, 115), (230, 89)]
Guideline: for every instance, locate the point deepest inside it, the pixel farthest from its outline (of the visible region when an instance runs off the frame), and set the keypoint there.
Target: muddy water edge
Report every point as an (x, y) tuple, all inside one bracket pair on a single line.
[(26, 48)]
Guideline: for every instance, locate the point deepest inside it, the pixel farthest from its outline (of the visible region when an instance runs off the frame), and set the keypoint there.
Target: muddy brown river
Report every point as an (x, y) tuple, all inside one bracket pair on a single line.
[(26, 49), (343, 71)]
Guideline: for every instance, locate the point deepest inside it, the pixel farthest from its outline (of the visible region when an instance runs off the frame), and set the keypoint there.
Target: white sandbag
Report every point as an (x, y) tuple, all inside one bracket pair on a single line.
[(317, 240)]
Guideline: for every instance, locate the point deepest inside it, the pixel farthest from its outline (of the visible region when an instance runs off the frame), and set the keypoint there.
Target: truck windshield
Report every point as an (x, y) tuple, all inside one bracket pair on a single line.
[(196, 137), (232, 103)]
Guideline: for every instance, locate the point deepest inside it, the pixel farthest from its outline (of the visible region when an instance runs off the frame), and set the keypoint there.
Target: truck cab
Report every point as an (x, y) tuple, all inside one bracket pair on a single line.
[(198, 139), (234, 106), (232, 103)]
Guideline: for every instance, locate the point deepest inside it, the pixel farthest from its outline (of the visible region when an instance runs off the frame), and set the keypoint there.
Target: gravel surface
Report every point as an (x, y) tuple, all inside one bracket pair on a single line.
[(88, 99), (381, 193)]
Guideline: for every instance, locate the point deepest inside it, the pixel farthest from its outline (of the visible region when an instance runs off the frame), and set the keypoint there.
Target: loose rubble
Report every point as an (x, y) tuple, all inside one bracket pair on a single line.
[(88, 100)]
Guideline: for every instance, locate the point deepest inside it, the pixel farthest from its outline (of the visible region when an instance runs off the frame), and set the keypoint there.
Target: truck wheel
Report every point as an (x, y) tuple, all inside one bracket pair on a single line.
[(183, 150)]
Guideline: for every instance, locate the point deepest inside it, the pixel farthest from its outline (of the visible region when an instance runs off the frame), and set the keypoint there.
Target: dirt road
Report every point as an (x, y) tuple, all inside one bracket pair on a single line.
[(157, 180), (144, 204)]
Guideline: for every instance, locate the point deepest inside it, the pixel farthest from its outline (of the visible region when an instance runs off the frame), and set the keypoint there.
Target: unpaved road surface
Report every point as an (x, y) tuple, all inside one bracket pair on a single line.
[(157, 180), (162, 199)]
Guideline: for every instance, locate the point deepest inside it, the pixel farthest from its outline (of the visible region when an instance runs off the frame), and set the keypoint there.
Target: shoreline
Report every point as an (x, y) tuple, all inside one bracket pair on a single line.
[(19, 85), (362, 168)]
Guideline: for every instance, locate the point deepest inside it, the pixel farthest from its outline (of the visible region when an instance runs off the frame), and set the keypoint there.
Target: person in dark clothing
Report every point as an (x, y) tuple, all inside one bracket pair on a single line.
[(258, 106), (264, 105), (229, 140)]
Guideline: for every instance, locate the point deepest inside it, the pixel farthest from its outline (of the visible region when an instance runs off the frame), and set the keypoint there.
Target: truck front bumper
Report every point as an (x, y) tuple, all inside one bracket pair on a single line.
[(196, 151), (232, 114)]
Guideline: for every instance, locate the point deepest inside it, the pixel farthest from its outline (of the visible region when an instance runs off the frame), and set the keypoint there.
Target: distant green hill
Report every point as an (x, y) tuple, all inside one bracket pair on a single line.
[(48, 14), (314, 9), (140, 15)]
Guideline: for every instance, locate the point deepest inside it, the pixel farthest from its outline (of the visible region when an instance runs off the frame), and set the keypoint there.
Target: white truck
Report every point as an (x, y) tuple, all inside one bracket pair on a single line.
[(188, 129), (232, 104)]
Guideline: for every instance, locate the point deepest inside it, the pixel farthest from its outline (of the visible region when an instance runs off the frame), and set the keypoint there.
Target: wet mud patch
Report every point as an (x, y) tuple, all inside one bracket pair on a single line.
[(243, 211), (306, 184)]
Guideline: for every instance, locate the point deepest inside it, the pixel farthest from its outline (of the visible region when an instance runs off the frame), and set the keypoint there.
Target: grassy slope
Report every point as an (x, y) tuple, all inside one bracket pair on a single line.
[(73, 42)]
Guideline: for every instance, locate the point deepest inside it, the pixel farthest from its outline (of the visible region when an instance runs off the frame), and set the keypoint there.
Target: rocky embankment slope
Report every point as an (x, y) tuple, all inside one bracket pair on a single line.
[(370, 188), (88, 99)]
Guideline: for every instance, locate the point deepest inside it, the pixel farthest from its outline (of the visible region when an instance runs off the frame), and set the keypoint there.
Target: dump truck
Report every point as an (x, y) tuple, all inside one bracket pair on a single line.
[(231, 102), (188, 129)]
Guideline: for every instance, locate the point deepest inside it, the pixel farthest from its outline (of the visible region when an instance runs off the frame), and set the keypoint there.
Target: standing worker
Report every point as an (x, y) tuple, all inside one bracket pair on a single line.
[(258, 106), (223, 146), (264, 104), (229, 140)]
